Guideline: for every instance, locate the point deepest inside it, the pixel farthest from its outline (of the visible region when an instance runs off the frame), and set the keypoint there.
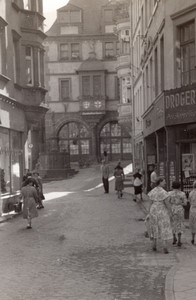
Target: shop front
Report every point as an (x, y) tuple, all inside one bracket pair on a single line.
[(180, 119), (155, 140), (12, 128), (170, 137)]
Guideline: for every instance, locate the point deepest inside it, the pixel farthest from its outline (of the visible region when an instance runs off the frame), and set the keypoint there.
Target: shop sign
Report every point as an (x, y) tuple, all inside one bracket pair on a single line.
[(171, 173), (155, 118), (180, 106)]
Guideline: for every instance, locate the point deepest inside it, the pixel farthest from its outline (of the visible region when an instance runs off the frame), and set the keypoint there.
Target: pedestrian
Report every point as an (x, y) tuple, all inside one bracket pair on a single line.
[(39, 188), (159, 215), (177, 200), (105, 155), (30, 197), (192, 214), (105, 176), (137, 183), (153, 178), (119, 179)]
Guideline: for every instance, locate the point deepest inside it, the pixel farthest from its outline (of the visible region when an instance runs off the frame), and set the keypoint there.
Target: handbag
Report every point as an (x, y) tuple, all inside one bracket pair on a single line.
[(18, 207)]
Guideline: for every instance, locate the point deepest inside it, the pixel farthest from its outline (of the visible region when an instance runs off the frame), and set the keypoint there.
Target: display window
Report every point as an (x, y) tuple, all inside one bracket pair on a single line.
[(11, 161), (5, 160)]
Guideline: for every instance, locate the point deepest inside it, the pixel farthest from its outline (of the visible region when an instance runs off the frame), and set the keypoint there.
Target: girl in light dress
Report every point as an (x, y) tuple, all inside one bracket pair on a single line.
[(192, 214), (159, 215), (177, 200)]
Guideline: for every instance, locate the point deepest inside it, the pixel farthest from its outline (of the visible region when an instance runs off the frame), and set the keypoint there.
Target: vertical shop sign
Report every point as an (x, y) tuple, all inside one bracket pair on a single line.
[(161, 168), (171, 173)]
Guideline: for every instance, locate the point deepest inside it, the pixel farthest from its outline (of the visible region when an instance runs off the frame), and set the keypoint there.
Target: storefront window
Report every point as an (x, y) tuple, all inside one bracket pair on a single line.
[(115, 141), (4, 161), (16, 159), (74, 138)]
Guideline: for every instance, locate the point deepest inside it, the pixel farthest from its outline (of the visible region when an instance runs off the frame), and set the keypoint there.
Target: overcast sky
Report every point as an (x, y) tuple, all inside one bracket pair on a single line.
[(50, 7)]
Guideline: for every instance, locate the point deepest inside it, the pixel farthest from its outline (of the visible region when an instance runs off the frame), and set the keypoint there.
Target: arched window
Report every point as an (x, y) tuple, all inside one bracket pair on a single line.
[(74, 138), (115, 141)]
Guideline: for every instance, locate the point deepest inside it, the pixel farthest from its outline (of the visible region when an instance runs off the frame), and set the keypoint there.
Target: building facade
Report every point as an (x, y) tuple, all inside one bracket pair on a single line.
[(82, 83), (164, 35), (21, 92)]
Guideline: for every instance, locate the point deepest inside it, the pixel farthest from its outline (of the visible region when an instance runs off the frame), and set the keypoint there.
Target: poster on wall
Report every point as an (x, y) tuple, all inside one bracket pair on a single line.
[(187, 163)]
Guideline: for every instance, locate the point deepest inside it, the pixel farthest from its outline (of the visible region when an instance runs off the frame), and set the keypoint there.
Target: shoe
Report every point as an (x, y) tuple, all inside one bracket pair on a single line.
[(179, 244), (165, 251), (174, 241), (29, 227), (192, 242), (154, 248)]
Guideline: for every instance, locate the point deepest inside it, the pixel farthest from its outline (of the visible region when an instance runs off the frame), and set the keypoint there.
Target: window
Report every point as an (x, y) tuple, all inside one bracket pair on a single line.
[(118, 48), (75, 139), (16, 56), (39, 66), (65, 93), (16, 61), (115, 140), (73, 16), (64, 51), (2, 46), (108, 16), (117, 88), (162, 63), (70, 51), (85, 85), (29, 65), (109, 50), (125, 47), (27, 4), (156, 72), (97, 85), (75, 51), (187, 53)]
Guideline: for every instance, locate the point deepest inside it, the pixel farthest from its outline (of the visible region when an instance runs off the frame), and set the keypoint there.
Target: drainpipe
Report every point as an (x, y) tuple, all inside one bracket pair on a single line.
[(132, 89)]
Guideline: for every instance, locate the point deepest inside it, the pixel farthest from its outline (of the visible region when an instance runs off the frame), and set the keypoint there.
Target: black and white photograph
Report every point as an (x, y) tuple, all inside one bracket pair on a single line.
[(97, 149)]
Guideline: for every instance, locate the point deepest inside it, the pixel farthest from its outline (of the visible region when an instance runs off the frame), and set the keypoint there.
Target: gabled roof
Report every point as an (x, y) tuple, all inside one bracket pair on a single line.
[(68, 7)]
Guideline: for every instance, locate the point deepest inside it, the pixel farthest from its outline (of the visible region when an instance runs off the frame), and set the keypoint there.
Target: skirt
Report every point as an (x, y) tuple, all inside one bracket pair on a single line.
[(29, 208), (138, 189)]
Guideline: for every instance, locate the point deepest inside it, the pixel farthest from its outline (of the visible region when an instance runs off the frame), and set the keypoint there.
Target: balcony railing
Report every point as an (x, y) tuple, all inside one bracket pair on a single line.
[(92, 104)]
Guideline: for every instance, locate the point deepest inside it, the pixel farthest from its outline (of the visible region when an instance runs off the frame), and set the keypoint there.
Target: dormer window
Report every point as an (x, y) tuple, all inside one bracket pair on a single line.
[(70, 16)]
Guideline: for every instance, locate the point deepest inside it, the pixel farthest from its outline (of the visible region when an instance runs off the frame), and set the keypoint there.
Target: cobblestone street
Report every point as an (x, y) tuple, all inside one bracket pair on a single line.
[(84, 246)]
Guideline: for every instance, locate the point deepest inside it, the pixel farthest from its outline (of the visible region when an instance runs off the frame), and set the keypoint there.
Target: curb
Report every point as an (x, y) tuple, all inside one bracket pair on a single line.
[(169, 283), (7, 218)]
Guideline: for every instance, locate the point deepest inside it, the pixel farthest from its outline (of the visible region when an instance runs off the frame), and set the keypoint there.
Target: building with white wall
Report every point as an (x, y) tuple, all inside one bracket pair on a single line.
[(82, 83), (164, 34)]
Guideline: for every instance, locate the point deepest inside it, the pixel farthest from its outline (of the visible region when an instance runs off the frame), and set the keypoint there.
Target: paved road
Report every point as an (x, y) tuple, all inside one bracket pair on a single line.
[(83, 246)]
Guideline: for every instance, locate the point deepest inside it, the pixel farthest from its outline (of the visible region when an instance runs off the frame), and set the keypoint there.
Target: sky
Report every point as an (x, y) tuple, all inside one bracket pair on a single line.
[(50, 7)]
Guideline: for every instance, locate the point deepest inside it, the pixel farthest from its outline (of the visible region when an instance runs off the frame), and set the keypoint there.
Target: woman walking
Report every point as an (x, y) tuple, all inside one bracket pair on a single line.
[(177, 200), (119, 178), (39, 188), (192, 215), (30, 197), (159, 215)]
